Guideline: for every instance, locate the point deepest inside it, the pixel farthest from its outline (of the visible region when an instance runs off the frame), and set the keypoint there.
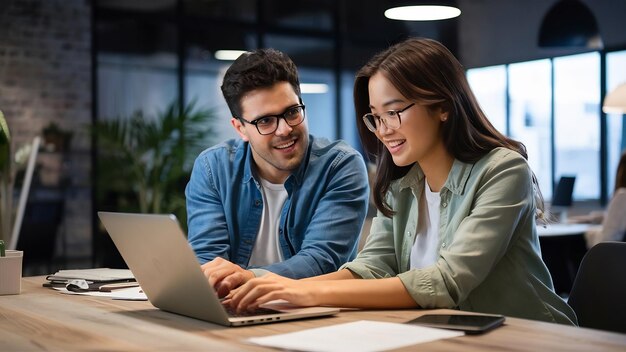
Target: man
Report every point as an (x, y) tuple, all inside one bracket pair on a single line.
[(278, 199)]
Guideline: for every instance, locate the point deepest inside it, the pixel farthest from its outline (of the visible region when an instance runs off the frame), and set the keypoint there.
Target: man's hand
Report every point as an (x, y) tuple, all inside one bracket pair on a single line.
[(225, 276)]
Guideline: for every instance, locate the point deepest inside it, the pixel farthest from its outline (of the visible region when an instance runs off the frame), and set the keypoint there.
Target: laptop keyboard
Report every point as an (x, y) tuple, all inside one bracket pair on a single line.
[(258, 311)]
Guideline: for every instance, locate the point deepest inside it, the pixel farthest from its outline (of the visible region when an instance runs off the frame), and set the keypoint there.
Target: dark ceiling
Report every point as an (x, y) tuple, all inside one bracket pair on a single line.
[(310, 31)]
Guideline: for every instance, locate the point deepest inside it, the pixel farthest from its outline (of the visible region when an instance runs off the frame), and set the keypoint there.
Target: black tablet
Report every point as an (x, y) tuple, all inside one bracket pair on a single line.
[(469, 323)]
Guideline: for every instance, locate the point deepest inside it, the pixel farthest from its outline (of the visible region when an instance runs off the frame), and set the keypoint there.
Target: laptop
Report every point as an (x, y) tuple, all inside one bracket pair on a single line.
[(156, 251)]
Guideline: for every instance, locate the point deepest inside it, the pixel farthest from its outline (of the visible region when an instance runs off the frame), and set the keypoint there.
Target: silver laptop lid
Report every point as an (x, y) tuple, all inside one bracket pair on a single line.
[(156, 251)]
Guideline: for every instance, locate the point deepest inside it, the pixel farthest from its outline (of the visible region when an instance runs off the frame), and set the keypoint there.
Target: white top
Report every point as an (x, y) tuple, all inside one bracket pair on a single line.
[(425, 248), (614, 223), (266, 248)]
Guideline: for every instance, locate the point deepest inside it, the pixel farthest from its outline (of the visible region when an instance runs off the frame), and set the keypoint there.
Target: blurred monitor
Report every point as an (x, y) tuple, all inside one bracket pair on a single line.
[(562, 196)]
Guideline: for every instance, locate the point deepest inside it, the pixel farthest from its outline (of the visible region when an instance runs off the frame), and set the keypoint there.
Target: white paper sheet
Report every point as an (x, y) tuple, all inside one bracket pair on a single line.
[(363, 336), (129, 294)]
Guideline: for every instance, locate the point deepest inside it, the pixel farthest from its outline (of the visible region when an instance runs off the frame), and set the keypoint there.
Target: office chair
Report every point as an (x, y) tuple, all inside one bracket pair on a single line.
[(599, 290)]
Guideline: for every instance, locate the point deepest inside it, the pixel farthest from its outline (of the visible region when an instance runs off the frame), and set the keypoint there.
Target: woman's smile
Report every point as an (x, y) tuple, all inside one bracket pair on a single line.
[(395, 145)]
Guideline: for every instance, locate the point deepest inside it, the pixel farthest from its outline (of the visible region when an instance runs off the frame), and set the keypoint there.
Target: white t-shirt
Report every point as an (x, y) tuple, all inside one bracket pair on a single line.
[(266, 248), (614, 223), (424, 251)]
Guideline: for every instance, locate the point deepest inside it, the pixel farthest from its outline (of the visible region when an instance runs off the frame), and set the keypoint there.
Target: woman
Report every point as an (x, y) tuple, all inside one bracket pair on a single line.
[(456, 203), (614, 221)]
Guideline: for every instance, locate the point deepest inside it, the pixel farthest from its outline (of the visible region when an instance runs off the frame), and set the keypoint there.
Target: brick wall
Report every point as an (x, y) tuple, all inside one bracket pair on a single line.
[(45, 76)]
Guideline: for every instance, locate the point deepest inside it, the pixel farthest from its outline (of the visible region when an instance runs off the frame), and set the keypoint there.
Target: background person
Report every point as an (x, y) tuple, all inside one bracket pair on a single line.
[(614, 219)]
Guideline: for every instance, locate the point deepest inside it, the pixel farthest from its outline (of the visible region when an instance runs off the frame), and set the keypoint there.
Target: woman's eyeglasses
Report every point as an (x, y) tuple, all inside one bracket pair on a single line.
[(269, 124), (391, 119)]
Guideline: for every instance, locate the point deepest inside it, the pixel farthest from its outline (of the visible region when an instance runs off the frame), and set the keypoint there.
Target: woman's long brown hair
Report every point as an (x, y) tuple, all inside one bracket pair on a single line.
[(425, 71)]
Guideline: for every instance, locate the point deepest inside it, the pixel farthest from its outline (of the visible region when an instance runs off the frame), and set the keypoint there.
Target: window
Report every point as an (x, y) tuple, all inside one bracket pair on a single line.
[(312, 69), (204, 73), (122, 82), (572, 118), (127, 67), (577, 123), (349, 128), (489, 86), (529, 116), (616, 131)]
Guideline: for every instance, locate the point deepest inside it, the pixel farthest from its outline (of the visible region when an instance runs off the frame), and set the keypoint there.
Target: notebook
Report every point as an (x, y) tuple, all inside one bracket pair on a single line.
[(94, 275), (156, 251), (96, 278)]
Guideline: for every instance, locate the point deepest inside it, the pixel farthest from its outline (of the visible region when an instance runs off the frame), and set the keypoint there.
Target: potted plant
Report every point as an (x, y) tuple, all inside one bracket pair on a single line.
[(56, 139), (144, 163)]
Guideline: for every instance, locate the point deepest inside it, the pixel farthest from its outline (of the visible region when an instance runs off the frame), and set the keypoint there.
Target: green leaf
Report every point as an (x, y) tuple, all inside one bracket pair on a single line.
[(145, 162)]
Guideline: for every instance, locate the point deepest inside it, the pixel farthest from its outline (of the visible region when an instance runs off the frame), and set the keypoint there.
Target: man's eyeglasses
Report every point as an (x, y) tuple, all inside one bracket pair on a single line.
[(391, 119), (293, 116)]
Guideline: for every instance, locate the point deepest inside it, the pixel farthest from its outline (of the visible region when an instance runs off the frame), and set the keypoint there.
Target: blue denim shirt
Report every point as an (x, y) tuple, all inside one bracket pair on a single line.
[(320, 222)]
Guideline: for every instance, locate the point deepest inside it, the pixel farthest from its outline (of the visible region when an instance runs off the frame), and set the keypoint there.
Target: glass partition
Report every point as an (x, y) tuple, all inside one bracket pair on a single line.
[(138, 73), (616, 131), (577, 123), (530, 102), (316, 79), (489, 86), (204, 72)]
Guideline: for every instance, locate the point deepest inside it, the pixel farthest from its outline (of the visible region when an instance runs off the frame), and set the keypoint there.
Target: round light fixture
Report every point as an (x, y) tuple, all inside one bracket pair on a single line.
[(313, 88), (228, 55), (570, 23), (615, 101), (422, 13)]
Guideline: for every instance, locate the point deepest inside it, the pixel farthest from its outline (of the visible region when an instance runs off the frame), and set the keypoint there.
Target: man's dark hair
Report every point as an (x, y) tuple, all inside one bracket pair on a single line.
[(261, 68)]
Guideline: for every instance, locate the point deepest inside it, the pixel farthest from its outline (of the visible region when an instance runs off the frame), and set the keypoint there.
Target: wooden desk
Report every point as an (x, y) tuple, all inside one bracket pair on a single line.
[(555, 230), (42, 319)]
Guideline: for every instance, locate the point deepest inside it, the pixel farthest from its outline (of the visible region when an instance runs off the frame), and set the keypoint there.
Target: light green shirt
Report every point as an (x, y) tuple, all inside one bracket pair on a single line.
[(489, 257)]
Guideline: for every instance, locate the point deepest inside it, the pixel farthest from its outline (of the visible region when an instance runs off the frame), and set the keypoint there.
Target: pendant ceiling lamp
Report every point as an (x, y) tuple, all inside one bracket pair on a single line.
[(421, 10), (615, 101), (570, 23)]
